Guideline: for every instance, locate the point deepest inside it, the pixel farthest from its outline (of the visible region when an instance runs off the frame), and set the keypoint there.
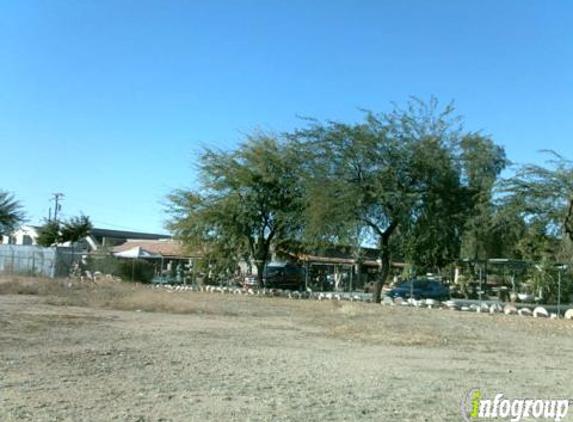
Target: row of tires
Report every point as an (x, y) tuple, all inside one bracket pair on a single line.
[(496, 308)]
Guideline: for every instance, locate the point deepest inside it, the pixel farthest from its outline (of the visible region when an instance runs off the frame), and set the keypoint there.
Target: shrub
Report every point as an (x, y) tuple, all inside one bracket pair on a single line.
[(136, 270), (106, 265)]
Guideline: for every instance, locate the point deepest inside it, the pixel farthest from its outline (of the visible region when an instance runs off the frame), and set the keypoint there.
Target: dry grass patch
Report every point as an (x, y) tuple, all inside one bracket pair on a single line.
[(136, 297), (369, 323), (32, 286)]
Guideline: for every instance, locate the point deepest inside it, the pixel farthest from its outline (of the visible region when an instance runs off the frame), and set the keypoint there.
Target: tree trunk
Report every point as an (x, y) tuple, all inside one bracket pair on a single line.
[(260, 248), (261, 256), (383, 273), (569, 220), (384, 262), (260, 268)]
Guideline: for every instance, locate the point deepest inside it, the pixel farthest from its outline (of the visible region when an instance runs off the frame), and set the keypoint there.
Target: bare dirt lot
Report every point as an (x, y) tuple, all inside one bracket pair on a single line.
[(126, 353)]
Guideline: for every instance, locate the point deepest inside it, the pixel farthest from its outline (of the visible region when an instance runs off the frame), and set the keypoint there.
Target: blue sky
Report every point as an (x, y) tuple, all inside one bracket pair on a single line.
[(108, 101)]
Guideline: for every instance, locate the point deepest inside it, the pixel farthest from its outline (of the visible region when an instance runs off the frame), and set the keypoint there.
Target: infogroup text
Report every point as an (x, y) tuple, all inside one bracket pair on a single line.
[(475, 405)]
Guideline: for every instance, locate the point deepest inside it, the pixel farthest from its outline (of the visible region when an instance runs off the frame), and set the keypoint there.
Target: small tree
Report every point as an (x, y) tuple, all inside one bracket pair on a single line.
[(72, 230), (49, 234), (76, 229), (11, 214)]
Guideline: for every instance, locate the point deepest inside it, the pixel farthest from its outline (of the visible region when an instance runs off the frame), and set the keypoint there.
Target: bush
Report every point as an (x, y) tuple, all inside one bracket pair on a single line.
[(106, 265), (136, 270)]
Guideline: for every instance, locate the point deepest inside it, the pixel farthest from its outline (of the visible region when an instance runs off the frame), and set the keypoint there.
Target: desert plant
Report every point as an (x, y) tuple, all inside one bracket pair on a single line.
[(11, 214)]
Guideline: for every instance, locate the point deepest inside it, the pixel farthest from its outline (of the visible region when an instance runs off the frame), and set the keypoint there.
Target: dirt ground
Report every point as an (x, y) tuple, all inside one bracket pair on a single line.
[(132, 354)]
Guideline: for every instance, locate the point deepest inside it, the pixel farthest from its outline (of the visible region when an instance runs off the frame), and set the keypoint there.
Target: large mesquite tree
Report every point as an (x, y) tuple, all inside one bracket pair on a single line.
[(247, 200), (394, 172), (541, 197)]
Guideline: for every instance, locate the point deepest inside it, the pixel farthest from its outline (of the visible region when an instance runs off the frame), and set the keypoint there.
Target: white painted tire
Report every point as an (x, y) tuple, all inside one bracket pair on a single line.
[(540, 312)]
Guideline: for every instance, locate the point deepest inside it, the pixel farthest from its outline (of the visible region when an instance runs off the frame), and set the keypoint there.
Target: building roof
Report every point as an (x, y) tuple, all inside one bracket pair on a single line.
[(127, 234), (167, 248)]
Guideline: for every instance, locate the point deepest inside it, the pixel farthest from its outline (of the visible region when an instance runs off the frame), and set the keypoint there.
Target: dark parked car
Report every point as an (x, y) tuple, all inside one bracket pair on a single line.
[(420, 289), (291, 277), (279, 276)]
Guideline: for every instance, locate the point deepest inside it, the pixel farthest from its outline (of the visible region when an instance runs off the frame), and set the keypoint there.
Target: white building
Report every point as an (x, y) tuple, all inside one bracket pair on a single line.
[(24, 235), (27, 235)]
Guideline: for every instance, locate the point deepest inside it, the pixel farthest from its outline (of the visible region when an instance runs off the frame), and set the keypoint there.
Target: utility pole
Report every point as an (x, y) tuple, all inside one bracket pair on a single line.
[(57, 207)]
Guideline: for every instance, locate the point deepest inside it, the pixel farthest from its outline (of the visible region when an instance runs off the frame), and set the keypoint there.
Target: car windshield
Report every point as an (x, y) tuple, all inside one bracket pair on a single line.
[(416, 284), (272, 271)]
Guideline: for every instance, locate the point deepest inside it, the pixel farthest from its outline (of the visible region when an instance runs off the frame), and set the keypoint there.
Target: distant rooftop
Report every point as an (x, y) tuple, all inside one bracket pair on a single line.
[(167, 248), (127, 234)]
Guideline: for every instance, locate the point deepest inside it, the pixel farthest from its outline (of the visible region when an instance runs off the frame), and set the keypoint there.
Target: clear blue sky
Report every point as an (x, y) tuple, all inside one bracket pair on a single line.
[(108, 100)]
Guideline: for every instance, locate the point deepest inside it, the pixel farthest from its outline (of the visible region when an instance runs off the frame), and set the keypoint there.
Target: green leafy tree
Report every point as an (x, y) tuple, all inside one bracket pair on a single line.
[(11, 214), (72, 230), (75, 229), (49, 234), (540, 196), (482, 161), (392, 173), (248, 199), (431, 237)]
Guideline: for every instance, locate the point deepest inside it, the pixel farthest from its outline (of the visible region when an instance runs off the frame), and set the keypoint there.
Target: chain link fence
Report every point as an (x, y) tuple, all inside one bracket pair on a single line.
[(30, 260)]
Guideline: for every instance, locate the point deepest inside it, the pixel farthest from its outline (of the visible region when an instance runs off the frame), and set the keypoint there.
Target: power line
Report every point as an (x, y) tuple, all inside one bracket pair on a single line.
[(88, 202), (57, 198)]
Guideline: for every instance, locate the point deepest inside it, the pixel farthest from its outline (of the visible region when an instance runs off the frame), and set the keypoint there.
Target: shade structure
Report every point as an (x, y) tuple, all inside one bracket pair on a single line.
[(137, 253)]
